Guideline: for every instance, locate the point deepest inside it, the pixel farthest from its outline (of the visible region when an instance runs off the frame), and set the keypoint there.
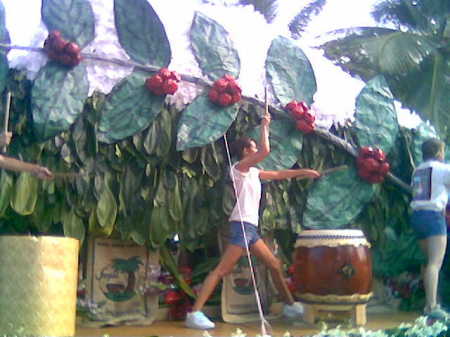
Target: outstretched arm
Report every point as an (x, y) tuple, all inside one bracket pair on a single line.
[(13, 164), (286, 174)]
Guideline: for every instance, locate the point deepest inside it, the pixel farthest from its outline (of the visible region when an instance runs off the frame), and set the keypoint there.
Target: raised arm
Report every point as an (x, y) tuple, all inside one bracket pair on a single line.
[(286, 174), (262, 150)]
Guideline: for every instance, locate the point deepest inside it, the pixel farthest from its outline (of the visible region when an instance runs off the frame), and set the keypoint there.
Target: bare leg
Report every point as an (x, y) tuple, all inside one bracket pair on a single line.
[(225, 266), (262, 251), (434, 249)]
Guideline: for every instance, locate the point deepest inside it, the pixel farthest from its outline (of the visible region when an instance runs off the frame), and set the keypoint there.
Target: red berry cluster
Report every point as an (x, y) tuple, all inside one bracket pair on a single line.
[(62, 51), (225, 91), (372, 164), (165, 82), (304, 120)]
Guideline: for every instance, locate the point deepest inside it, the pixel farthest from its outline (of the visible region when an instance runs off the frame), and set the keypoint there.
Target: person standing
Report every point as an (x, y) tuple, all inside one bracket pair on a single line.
[(430, 187), (247, 184)]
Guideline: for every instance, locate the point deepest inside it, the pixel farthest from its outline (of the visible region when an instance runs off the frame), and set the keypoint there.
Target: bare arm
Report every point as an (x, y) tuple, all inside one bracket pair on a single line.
[(13, 164), (286, 174), (263, 147)]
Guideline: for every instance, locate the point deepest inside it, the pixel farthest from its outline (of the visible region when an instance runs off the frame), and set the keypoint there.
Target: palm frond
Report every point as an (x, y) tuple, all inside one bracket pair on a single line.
[(299, 23), (425, 16), (268, 8), (374, 50)]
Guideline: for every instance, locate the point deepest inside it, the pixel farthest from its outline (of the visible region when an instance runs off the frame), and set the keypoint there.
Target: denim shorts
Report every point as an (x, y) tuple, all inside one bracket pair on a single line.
[(237, 237), (427, 223)]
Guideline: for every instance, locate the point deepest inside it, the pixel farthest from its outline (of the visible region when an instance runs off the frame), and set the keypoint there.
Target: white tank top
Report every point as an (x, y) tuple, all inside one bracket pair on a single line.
[(248, 191)]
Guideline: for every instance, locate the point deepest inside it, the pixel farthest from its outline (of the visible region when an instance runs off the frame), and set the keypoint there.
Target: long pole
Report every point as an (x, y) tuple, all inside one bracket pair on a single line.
[(6, 119)]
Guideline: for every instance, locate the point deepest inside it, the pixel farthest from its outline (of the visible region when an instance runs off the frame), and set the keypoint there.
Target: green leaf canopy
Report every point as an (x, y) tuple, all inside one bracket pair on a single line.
[(73, 18), (128, 109), (57, 98), (203, 122), (285, 145), (213, 48), (335, 200), (289, 72), (376, 116), (141, 32)]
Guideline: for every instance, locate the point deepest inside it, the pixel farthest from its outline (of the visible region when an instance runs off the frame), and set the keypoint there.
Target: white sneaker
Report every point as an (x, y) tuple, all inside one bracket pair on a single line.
[(198, 320), (294, 310)]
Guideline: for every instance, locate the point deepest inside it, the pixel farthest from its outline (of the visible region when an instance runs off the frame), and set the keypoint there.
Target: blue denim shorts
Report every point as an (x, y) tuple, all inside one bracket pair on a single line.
[(427, 223), (237, 237)]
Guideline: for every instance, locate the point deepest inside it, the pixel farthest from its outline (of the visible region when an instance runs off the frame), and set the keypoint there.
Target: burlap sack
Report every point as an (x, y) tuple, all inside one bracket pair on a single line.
[(117, 275)]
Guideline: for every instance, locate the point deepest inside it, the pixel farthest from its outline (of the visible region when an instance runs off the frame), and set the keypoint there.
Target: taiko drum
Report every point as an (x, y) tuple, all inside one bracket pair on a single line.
[(333, 267)]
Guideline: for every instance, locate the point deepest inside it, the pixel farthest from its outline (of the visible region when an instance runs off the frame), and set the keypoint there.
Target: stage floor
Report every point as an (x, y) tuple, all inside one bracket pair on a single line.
[(279, 327)]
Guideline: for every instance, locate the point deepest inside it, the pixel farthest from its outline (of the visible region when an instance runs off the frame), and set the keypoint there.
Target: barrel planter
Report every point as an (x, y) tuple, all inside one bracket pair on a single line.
[(38, 285), (333, 267)]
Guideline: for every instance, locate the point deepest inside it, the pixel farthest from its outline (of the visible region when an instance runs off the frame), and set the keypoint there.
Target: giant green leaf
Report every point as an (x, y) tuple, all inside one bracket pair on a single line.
[(285, 145), (421, 133), (203, 122), (335, 200), (57, 98), (128, 109), (289, 72), (73, 18), (106, 208), (376, 117), (25, 194), (141, 32), (213, 48), (6, 188), (73, 226)]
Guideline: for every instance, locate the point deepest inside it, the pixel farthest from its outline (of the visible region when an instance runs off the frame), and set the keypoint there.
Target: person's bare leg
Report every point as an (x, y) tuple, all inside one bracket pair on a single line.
[(228, 261), (262, 251), (434, 249)]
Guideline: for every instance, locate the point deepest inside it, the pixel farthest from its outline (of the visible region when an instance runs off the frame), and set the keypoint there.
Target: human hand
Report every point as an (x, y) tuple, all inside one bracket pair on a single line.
[(265, 121), (5, 138), (313, 174), (42, 172)]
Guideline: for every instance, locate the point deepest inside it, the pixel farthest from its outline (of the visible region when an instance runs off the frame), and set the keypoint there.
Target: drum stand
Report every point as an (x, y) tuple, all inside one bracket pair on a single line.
[(325, 311)]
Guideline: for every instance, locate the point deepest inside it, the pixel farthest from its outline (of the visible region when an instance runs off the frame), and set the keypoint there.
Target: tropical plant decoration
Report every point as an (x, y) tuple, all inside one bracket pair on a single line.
[(144, 170)]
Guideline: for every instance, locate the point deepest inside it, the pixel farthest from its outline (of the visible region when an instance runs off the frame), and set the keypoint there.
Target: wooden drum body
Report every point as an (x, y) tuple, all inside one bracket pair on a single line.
[(333, 267)]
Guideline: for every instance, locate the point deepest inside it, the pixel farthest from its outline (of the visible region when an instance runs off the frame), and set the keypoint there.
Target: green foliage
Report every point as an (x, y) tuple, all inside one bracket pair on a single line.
[(213, 48), (58, 98), (203, 122), (73, 18), (141, 32), (128, 109), (376, 116), (285, 145), (289, 72), (414, 58), (336, 200)]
